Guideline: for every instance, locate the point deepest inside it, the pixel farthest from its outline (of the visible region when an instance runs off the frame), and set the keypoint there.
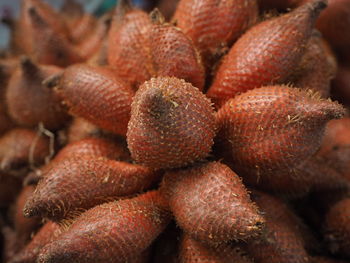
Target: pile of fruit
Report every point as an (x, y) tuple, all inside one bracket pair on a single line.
[(212, 134)]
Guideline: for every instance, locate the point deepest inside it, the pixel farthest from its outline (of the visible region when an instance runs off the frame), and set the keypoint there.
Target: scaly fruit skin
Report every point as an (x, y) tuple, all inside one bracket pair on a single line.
[(317, 68), (81, 129), (265, 54), (194, 251), (103, 180), (282, 241), (48, 233), (337, 228), (24, 227), (172, 124), (29, 101), (173, 55), (274, 129), (211, 204), (127, 46), (97, 95), (16, 145), (113, 232), (214, 25)]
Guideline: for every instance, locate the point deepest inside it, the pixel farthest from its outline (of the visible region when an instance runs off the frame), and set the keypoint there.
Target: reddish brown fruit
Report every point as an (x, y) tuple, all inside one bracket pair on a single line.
[(20, 147), (214, 25), (211, 204), (335, 149), (127, 45), (10, 186), (94, 41), (24, 227), (25, 35), (83, 28), (29, 101), (317, 68), (266, 54), (172, 124), (337, 228), (282, 240), (103, 180), (334, 23), (194, 251), (274, 129), (72, 12), (81, 129), (173, 53), (121, 229), (53, 48), (97, 95), (48, 233)]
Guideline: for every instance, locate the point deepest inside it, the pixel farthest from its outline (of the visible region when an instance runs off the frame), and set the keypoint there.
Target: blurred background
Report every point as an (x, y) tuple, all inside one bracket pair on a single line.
[(10, 8)]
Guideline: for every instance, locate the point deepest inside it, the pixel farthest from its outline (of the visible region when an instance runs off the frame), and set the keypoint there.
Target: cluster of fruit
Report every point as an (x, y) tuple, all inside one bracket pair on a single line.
[(211, 137)]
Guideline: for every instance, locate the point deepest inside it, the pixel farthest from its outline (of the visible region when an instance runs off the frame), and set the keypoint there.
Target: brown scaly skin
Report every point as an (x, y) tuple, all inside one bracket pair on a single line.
[(103, 179), (172, 124), (337, 228), (120, 230), (15, 149), (317, 68), (194, 251), (214, 25), (29, 101), (204, 195), (81, 129), (97, 95), (274, 129), (266, 54), (48, 233), (282, 240), (24, 227)]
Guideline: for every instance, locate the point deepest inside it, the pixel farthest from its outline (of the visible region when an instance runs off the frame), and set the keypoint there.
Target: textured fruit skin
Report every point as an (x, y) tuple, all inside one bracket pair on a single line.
[(15, 148), (29, 102), (172, 124), (334, 23), (266, 54), (127, 39), (103, 180), (214, 25), (81, 129), (93, 42), (173, 54), (337, 228), (211, 204), (194, 251), (317, 67), (96, 147), (24, 227), (282, 241), (97, 95), (113, 232), (48, 233), (274, 129)]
